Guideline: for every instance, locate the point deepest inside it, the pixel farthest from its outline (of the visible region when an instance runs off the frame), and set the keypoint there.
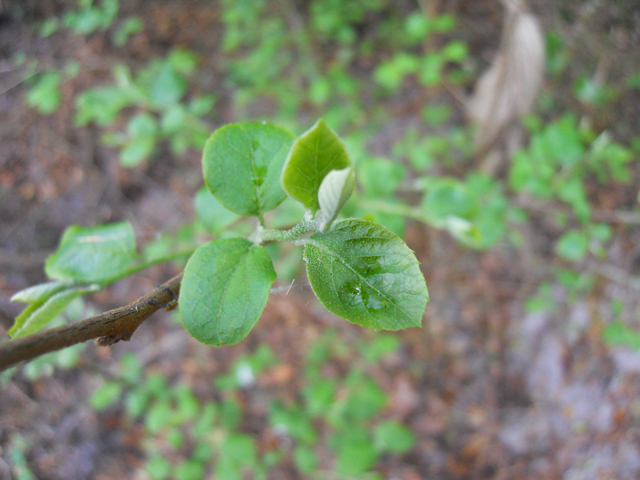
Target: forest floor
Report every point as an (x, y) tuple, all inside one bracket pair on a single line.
[(490, 391)]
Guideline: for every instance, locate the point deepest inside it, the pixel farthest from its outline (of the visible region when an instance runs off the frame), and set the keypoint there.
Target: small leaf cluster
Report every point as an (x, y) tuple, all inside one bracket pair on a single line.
[(429, 69), (91, 17), (474, 210), (348, 409), (87, 260), (157, 93), (343, 415), (562, 158), (359, 270), (44, 95)]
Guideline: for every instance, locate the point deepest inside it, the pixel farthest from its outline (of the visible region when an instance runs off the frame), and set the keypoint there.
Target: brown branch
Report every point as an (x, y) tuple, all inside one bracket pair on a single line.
[(107, 328)]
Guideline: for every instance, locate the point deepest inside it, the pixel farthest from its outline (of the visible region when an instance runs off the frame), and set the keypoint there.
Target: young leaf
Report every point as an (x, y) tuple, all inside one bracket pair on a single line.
[(93, 254), (37, 293), (356, 458), (45, 94), (394, 437), (366, 274), (242, 164), (573, 245), (312, 157), (225, 288), (39, 314), (335, 189)]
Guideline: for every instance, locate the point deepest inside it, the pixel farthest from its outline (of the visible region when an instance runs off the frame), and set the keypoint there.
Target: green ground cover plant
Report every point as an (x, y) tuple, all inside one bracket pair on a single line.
[(186, 435)]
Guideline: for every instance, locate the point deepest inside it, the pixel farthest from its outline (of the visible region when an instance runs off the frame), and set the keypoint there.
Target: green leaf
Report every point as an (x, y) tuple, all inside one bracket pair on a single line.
[(430, 71), (447, 197), (242, 165), (183, 61), (335, 190), (573, 245), (366, 274), (366, 398), (455, 51), (137, 150), (436, 115), (142, 125), (320, 91), (136, 402), (37, 293), (175, 438), (202, 105), (106, 395), (319, 395), (157, 385), (305, 458), (210, 212), (391, 74), (240, 449), (167, 87), (393, 437), (189, 470), (205, 423), (230, 414), (619, 334), (98, 254), (102, 104), (225, 288), (293, 421), (158, 416), (44, 96), (130, 26), (357, 457), (158, 467), (48, 27), (379, 177), (39, 314), (416, 27), (174, 119), (312, 157)]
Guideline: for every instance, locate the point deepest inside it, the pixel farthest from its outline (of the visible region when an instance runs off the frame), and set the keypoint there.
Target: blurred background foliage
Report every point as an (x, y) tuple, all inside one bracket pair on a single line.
[(133, 89)]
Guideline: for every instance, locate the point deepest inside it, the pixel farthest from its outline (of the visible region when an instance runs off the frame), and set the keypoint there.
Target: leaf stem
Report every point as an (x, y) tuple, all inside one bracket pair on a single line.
[(305, 225)]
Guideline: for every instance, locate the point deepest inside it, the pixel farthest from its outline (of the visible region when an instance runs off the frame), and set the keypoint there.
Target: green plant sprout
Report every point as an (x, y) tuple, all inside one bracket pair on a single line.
[(359, 270), (156, 92), (88, 18)]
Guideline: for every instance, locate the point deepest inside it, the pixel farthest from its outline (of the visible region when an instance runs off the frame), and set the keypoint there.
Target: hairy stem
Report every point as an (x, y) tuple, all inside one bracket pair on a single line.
[(265, 235), (107, 328)]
